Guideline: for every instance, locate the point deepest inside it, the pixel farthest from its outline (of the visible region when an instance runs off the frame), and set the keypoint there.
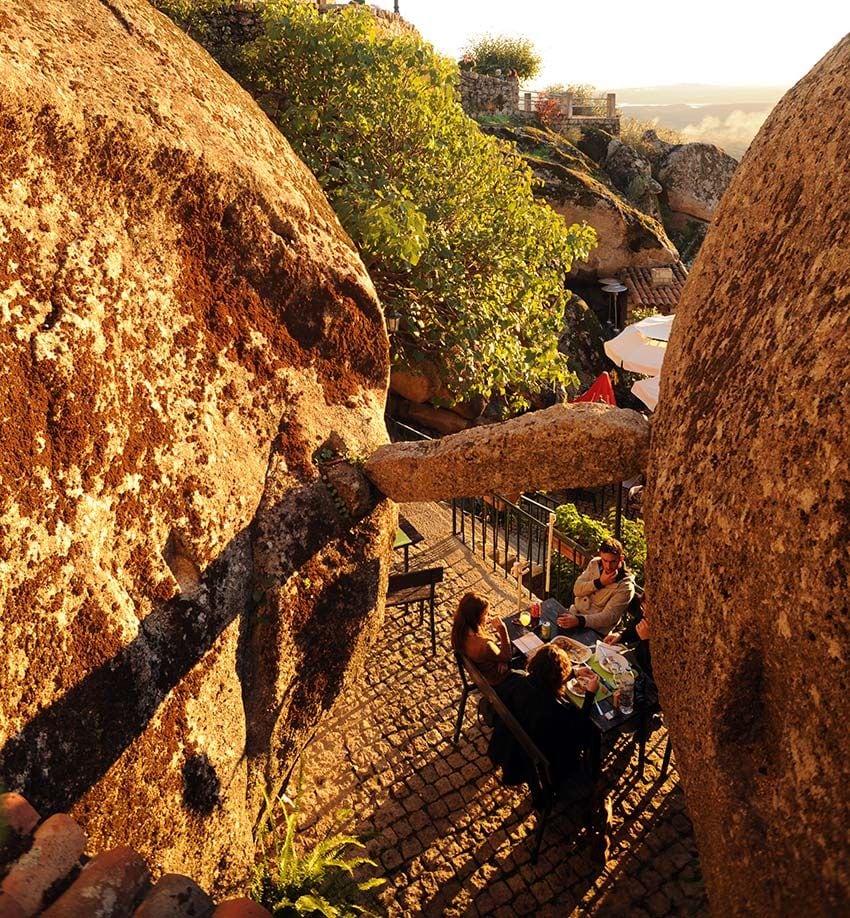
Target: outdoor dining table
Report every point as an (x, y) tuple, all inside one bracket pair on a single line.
[(605, 717)]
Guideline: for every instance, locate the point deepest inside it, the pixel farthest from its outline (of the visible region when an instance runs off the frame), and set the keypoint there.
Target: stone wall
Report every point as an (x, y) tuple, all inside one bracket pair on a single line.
[(481, 94)]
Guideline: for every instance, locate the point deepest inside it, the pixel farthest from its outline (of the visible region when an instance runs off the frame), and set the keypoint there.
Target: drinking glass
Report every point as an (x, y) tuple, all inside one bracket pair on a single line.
[(627, 693), (525, 618)]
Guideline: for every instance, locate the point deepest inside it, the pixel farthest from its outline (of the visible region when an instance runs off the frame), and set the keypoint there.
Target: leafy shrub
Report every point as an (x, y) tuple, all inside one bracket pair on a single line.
[(589, 532), (633, 537), (548, 111), (585, 530), (500, 52), (444, 217), (321, 880), (633, 129)]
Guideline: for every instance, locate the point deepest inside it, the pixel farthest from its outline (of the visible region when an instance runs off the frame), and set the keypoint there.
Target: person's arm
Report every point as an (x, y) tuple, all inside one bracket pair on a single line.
[(586, 585), (503, 650), (606, 619)]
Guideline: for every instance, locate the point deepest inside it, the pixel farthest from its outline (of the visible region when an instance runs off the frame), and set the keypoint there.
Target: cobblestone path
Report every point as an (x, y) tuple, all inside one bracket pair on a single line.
[(450, 839)]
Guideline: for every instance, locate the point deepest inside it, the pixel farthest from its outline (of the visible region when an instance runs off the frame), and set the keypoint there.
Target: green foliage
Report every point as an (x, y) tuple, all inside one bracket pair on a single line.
[(633, 537), (444, 217), (639, 313), (290, 882), (633, 129), (580, 91), (500, 52), (585, 530), (589, 532)]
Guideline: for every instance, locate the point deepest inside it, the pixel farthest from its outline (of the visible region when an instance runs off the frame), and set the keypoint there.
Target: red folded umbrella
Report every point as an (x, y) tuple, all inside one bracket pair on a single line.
[(600, 391)]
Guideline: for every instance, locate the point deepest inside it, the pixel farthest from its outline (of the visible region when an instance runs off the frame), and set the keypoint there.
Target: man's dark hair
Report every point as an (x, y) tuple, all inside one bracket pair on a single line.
[(612, 547)]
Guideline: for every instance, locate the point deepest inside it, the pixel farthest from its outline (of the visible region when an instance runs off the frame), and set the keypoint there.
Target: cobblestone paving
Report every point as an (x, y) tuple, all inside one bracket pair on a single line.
[(449, 838)]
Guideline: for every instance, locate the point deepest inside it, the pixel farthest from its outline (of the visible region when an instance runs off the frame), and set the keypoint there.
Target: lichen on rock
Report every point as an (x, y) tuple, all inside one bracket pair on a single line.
[(183, 323), (749, 515)]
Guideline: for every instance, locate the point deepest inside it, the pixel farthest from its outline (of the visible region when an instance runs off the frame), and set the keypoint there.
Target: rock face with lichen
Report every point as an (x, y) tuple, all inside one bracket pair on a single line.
[(183, 324), (750, 514), (580, 190)]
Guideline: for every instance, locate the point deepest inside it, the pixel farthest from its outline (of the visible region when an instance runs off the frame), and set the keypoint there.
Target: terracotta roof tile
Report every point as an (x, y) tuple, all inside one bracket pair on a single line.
[(175, 896), (113, 884), (56, 849), (109, 885), (17, 814), (642, 294), (10, 908)]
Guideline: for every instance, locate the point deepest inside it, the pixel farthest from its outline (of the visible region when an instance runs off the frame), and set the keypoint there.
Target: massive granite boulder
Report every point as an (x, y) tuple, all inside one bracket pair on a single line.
[(694, 177), (183, 324), (750, 515), (628, 238), (631, 174)]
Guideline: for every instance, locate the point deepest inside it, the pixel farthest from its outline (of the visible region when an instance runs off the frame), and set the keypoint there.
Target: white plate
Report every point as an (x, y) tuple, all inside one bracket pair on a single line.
[(576, 688), (578, 652), (615, 664)]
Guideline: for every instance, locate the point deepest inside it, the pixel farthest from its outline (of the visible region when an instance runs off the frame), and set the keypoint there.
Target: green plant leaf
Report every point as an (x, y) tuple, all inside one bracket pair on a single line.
[(314, 903)]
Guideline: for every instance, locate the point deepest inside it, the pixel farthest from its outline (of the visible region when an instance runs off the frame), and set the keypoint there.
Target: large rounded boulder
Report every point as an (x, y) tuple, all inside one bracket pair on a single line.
[(184, 326), (750, 517), (694, 178)]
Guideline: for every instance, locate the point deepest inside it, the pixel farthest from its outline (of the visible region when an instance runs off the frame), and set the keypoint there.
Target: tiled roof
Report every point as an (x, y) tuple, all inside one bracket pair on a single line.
[(44, 870), (642, 293)]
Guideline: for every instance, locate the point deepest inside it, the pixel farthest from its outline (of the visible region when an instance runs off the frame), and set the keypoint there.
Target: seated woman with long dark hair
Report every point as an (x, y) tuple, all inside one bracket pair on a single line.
[(482, 640), (538, 700), (561, 730)]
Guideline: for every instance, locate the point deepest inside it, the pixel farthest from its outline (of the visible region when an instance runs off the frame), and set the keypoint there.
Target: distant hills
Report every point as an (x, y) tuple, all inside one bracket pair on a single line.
[(728, 116), (699, 93)]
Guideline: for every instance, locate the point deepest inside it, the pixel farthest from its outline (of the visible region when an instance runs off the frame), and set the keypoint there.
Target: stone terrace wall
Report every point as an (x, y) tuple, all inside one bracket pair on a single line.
[(481, 94)]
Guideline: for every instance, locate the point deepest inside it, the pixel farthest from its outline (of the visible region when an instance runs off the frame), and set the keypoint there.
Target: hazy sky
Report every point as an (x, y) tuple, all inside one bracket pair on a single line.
[(621, 43)]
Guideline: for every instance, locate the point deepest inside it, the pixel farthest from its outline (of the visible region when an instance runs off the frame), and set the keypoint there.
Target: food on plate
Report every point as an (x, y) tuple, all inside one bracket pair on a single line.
[(614, 663), (576, 687), (578, 652)]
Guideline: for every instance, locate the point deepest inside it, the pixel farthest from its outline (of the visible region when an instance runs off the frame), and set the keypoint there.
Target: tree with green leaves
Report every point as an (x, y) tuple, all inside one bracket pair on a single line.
[(443, 216), (503, 53)]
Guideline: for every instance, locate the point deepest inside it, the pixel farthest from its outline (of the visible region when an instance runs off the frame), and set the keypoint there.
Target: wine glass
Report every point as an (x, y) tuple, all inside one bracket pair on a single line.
[(525, 618)]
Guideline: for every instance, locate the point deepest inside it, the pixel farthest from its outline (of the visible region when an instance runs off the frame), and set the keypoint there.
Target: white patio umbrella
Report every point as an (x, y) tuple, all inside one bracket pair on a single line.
[(640, 348), (646, 390)]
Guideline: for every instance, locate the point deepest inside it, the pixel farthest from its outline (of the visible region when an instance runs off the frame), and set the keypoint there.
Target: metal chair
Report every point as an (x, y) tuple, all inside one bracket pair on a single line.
[(467, 688), (417, 587)]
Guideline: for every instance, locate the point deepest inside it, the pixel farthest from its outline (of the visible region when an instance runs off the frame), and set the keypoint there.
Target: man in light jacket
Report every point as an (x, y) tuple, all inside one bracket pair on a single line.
[(602, 592)]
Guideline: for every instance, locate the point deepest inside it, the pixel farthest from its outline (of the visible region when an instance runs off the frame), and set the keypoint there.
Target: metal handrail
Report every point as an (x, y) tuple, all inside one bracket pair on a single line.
[(403, 431), (517, 539)]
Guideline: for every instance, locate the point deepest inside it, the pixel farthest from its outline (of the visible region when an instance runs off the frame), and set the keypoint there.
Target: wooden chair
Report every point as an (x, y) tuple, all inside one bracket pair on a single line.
[(417, 587), (542, 787)]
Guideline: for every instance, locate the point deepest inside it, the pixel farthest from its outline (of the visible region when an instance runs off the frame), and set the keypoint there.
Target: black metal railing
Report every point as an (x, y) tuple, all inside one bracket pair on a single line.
[(516, 539)]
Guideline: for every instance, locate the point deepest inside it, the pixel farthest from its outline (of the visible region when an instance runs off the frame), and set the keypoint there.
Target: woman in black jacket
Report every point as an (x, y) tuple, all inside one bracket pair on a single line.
[(561, 731)]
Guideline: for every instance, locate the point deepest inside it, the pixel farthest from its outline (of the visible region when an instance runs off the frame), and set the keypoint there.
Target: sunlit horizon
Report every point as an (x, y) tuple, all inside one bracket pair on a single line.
[(722, 44)]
